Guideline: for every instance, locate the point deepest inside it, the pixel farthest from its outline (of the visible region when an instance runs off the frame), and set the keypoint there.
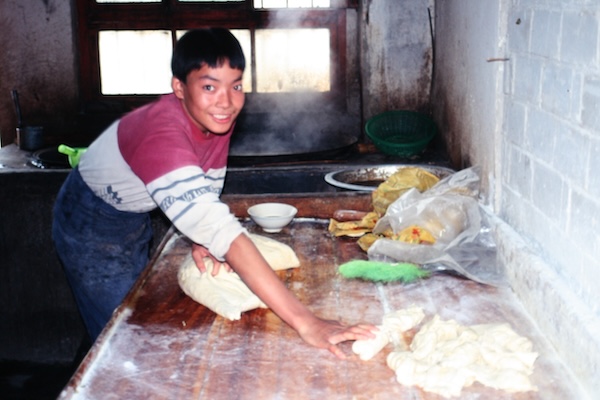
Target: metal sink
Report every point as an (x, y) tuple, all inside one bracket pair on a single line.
[(367, 178)]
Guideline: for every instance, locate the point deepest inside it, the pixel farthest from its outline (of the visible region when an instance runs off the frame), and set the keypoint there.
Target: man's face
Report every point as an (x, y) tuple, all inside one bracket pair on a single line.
[(212, 97)]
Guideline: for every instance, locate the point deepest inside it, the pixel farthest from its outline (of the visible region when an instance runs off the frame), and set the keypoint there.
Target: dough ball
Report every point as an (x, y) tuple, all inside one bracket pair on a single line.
[(225, 293), (278, 255)]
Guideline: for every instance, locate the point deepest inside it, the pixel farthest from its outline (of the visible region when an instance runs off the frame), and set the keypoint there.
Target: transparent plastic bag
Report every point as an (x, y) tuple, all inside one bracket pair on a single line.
[(451, 213), (400, 182)]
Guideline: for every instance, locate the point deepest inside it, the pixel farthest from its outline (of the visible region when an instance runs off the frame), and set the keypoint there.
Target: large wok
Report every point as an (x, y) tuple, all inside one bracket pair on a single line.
[(300, 133)]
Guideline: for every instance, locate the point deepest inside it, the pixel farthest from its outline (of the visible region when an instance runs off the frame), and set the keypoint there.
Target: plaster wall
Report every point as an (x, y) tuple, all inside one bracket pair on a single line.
[(37, 58)]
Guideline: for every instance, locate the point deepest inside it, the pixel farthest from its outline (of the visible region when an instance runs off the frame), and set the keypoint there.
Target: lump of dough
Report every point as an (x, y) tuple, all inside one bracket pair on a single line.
[(393, 324), (226, 294), (278, 255), (368, 348), (445, 356), (402, 320)]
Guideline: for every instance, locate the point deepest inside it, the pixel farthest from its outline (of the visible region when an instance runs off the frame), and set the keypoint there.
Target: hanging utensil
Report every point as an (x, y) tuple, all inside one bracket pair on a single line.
[(29, 137), (15, 99)]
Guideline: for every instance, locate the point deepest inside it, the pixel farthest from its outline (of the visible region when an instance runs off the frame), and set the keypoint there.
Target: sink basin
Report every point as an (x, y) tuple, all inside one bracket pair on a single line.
[(367, 178)]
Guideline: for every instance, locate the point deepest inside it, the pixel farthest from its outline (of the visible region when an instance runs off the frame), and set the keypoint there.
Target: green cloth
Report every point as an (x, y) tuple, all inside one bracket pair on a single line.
[(382, 272)]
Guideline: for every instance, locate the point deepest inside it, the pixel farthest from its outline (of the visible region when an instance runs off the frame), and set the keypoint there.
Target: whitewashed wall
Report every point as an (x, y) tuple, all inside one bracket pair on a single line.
[(533, 123), (467, 89)]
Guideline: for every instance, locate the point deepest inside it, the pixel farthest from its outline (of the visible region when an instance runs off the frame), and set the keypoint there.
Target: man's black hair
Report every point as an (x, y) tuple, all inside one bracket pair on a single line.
[(212, 46)]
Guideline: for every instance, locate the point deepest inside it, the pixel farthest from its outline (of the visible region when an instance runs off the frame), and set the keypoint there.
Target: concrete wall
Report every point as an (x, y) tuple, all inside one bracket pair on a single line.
[(396, 55), (37, 57), (532, 122)]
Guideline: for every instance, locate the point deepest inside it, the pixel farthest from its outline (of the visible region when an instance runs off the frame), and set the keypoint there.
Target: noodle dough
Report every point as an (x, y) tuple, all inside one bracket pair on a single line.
[(444, 357), (390, 330), (225, 293)]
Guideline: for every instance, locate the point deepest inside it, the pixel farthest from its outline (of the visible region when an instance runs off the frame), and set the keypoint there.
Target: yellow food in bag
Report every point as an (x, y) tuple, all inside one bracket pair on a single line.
[(398, 183), (416, 235)]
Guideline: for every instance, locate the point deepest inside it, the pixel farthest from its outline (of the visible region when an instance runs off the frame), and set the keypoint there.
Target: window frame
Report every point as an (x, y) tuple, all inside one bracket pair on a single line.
[(172, 15)]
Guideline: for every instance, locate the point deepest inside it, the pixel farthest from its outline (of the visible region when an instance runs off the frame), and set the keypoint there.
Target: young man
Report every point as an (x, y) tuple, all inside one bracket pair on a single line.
[(172, 154)]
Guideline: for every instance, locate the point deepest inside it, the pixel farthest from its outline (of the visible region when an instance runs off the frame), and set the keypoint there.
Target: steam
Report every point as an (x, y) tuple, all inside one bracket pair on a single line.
[(297, 122), (283, 133)]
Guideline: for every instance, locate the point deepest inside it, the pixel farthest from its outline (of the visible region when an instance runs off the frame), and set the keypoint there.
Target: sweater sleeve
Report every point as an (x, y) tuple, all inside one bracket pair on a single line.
[(189, 197)]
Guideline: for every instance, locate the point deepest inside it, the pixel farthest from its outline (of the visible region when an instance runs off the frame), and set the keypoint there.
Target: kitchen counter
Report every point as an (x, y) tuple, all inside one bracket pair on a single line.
[(160, 344), (247, 175), (13, 159)]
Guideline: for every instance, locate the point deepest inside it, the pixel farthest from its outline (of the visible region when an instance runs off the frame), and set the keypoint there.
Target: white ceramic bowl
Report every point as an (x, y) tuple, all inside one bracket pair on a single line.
[(272, 217)]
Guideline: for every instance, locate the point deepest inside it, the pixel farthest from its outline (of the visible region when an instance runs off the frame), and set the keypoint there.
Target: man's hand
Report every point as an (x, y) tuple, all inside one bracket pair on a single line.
[(200, 252)]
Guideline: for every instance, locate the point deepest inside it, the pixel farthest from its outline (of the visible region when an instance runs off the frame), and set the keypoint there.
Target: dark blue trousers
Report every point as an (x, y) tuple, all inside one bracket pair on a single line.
[(103, 250)]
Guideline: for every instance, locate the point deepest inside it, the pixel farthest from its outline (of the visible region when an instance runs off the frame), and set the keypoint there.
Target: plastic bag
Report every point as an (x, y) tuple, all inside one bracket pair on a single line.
[(451, 213), (400, 182)]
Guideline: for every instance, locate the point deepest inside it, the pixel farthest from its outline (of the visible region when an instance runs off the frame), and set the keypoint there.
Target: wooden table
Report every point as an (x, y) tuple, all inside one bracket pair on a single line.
[(162, 345)]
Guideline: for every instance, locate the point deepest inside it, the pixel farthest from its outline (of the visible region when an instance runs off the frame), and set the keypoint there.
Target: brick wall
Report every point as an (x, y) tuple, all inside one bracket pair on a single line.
[(550, 185), (516, 90)]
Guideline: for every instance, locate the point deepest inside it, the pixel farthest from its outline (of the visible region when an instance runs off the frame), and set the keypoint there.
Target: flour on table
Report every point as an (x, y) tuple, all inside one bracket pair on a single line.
[(445, 356), (225, 293)]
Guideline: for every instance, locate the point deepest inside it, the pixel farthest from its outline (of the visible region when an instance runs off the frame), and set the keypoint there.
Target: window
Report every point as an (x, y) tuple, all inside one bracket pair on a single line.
[(294, 48)]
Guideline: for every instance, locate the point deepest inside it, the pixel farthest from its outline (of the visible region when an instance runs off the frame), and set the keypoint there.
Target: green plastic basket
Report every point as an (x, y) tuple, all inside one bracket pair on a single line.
[(401, 133)]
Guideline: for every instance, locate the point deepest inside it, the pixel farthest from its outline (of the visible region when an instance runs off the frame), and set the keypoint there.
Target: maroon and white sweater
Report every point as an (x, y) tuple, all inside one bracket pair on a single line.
[(155, 156)]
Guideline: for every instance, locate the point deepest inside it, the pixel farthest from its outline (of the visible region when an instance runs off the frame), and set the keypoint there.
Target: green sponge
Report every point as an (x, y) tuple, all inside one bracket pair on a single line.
[(382, 272)]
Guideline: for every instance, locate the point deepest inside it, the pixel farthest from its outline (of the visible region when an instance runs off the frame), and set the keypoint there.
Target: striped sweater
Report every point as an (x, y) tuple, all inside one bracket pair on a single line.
[(155, 156)]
